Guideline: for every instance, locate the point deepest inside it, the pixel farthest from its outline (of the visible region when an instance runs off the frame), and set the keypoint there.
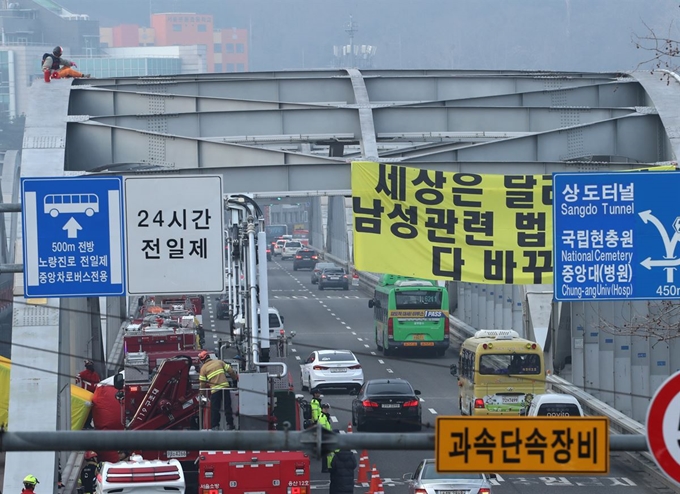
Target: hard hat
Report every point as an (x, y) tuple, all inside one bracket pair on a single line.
[(90, 454), (315, 391), (203, 355), (30, 479), (325, 405), (57, 51)]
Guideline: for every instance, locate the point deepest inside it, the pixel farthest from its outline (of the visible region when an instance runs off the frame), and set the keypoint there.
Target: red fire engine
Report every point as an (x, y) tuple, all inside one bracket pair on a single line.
[(241, 472)]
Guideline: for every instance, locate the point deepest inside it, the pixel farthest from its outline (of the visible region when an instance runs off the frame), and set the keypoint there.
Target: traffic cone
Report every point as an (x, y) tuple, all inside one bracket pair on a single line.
[(376, 483), (364, 468), (349, 428), (380, 489)]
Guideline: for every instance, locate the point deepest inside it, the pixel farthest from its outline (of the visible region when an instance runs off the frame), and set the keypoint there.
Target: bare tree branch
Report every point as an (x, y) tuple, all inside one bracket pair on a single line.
[(664, 51), (660, 323)]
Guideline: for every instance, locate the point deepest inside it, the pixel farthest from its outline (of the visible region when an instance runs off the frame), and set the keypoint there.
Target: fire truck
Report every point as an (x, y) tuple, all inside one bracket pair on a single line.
[(159, 386), (241, 472)]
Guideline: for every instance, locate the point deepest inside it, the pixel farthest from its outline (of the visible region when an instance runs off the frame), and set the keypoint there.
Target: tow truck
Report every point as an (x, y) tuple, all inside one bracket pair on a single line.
[(159, 387)]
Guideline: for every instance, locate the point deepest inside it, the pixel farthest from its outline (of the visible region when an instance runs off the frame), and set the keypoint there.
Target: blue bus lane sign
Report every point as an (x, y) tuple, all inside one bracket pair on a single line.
[(73, 237), (615, 236)]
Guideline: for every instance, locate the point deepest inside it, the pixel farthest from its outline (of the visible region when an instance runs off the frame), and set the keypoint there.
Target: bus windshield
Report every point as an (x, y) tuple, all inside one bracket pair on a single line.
[(515, 364), (418, 299), (410, 314)]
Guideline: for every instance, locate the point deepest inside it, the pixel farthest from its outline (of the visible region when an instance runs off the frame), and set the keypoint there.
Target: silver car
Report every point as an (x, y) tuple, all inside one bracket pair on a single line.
[(426, 480)]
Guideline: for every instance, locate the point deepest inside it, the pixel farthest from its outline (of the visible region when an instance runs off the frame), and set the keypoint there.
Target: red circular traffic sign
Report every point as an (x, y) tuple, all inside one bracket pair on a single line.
[(663, 427)]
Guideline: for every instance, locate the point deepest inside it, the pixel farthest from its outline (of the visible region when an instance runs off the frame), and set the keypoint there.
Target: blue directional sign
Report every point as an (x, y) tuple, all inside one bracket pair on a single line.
[(73, 236), (615, 236)]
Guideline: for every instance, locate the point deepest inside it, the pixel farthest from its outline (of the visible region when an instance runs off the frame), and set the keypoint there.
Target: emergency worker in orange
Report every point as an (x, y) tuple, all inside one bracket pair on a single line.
[(213, 376), (56, 67)]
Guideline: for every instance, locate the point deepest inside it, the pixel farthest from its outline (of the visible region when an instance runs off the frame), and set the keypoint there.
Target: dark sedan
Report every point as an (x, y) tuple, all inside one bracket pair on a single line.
[(318, 267), (305, 259), (333, 278), (391, 401)]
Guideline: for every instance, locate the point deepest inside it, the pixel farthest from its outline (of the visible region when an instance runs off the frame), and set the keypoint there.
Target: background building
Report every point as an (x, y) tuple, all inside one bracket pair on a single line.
[(183, 29), (192, 59), (226, 50), (231, 50)]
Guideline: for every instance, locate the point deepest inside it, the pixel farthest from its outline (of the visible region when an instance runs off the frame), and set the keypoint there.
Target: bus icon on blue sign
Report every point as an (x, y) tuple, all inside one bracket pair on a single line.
[(54, 204)]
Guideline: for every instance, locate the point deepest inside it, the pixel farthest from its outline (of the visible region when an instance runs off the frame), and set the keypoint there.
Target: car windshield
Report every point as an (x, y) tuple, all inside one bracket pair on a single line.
[(558, 410), (334, 271), (336, 357), (389, 389), (430, 472), (324, 265), (293, 245), (517, 363)]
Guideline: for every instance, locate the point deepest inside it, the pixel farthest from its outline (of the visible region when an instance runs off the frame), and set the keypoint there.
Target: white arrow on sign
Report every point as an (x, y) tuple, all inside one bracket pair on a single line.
[(649, 262), (72, 226)]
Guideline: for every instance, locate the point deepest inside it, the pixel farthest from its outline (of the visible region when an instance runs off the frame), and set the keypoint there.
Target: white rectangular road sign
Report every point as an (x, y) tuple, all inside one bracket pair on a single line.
[(175, 234)]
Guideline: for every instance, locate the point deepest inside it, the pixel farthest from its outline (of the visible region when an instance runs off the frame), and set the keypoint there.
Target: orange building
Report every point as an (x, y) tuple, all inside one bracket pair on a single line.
[(125, 35), (226, 49), (179, 28), (231, 50)]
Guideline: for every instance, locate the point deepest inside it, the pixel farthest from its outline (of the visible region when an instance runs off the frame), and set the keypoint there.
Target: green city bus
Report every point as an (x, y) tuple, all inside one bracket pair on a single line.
[(410, 313)]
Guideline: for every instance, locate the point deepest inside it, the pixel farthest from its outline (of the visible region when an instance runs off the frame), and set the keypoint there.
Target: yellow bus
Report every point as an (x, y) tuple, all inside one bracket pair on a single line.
[(498, 372)]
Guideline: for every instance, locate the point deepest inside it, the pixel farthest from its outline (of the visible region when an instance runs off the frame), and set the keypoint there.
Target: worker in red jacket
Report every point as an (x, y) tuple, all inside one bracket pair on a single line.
[(88, 378)]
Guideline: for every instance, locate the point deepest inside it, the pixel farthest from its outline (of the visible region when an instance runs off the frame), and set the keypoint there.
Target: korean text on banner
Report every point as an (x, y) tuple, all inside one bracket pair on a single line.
[(452, 226)]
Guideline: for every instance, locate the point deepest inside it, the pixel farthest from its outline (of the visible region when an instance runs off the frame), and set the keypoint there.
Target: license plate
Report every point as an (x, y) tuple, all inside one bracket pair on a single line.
[(511, 399), (418, 336), (334, 277), (177, 454), (391, 405), (453, 492), (342, 369)]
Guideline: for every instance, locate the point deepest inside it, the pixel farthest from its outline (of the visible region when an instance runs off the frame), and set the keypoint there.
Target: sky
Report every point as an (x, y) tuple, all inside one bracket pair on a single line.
[(559, 35)]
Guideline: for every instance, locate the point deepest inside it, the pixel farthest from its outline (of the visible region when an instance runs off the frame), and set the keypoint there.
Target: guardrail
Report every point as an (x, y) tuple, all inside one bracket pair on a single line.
[(460, 331)]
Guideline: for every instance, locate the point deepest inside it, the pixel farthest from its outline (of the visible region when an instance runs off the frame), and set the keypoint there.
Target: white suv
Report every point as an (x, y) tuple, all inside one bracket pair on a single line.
[(553, 405), (278, 247), (290, 248)]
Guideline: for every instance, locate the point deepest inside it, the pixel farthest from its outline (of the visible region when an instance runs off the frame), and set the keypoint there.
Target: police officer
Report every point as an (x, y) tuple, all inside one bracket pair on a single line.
[(88, 475), (315, 404), (325, 421), (325, 417)]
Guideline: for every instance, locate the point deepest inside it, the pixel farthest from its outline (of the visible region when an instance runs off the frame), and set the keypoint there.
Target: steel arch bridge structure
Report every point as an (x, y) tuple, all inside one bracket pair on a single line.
[(295, 133)]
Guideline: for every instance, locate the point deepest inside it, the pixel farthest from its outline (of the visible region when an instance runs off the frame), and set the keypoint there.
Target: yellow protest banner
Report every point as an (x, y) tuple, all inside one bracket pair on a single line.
[(452, 226), (522, 444), (475, 228)]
